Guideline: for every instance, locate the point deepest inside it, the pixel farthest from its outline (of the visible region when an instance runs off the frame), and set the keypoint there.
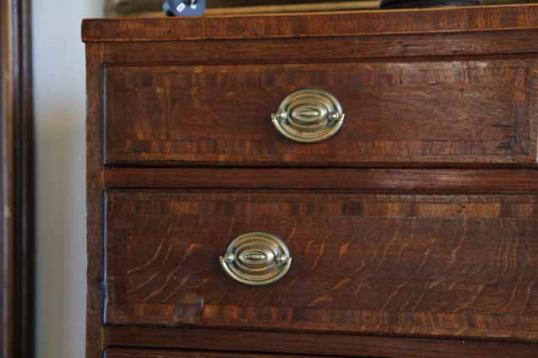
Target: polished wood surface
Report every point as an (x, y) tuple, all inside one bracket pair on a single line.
[(411, 113), (130, 353), (16, 182), (432, 265), (348, 49), (330, 345), (366, 180), (424, 204), (94, 206), (490, 18)]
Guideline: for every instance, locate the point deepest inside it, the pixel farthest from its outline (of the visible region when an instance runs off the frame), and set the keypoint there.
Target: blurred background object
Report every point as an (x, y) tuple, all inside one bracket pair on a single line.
[(225, 7), (399, 4), (184, 7), (153, 8)]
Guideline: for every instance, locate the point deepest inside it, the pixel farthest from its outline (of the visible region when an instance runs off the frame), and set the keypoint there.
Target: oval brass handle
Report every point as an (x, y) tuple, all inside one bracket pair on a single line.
[(309, 116), (256, 259)]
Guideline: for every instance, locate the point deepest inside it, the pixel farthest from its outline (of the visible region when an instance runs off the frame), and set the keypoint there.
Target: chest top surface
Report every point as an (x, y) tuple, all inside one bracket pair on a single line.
[(351, 23)]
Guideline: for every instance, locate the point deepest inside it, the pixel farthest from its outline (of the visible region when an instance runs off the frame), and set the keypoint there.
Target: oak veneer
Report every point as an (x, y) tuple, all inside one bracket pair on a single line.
[(468, 19), (397, 113), (307, 343), (129, 353), (449, 181), (428, 193), (451, 265)]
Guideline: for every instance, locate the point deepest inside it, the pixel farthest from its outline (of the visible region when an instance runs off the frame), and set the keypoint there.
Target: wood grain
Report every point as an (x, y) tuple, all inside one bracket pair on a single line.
[(352, 49), (330, 345), (130, 353), (416, 113), (491, 18), (94, 204), (369, 180), (452, 265), (426, 198)]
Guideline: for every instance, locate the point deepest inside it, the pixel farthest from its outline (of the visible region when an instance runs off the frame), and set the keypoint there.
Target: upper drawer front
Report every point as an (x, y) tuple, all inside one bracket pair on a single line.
[(458, 112), (451, 265)]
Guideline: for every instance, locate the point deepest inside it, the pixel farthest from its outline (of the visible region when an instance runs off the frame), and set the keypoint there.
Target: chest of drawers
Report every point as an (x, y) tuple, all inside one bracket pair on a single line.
[(345, 184)]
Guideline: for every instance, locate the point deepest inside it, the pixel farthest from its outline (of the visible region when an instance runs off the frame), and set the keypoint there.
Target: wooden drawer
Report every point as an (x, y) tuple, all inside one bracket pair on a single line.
[(434, 265), (132, 353), (409, 112)]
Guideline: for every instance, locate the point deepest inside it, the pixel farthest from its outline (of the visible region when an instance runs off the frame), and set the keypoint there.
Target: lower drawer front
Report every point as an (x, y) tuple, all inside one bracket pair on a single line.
[(131, 353), (441, 265)]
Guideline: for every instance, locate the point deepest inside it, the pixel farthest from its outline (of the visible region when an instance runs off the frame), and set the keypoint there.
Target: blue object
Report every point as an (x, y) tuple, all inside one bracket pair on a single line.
[(184, 7)]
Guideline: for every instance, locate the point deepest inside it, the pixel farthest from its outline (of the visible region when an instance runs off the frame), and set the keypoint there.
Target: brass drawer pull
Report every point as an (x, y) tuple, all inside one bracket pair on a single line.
[(256, 259), (309, 116)]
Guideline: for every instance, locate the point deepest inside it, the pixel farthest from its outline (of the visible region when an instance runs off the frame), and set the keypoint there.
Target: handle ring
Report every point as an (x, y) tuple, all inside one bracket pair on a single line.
[(309, 116), (256, 259)]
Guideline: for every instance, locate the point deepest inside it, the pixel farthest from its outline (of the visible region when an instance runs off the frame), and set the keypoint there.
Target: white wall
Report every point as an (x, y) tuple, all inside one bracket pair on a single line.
[(60, 136)]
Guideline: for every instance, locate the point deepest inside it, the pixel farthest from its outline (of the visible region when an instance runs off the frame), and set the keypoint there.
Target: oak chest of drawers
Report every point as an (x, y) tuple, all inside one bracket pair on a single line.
[(345, 184)]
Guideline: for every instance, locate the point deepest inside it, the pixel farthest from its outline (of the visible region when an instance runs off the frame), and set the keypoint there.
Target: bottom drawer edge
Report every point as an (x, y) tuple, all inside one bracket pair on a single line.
[(309, 344), (155, 353)]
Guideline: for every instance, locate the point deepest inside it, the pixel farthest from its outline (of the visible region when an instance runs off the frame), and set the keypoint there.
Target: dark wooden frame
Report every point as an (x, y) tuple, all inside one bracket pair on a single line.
[(16, 179)]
